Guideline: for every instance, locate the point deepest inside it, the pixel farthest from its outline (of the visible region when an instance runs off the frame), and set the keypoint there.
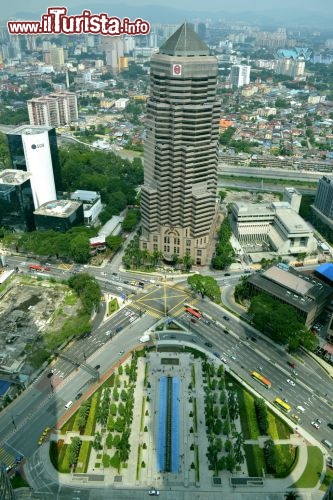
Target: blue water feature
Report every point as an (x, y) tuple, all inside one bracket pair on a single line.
[(161, 431), (175, 425)]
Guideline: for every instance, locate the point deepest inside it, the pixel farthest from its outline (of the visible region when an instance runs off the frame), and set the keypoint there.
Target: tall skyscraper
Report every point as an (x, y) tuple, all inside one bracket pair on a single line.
[(178, 199), (34, 149), (240, 75), (323, 203)]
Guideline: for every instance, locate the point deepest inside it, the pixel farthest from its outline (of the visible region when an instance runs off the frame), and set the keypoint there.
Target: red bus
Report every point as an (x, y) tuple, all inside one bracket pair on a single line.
[(38, 267), (193, 312), (262, 380)]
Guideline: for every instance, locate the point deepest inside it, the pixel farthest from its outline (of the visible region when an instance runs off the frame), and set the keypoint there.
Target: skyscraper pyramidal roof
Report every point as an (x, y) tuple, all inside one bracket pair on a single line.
[(184, 42)]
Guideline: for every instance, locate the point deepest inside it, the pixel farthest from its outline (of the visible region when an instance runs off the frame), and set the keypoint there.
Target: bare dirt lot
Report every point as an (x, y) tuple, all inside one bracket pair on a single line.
[(29, 308)]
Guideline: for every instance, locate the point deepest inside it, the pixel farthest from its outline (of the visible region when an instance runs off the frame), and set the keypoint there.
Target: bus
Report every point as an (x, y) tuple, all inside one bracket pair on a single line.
[(282, 405), (193, 312), (262, 380), (38, 267)]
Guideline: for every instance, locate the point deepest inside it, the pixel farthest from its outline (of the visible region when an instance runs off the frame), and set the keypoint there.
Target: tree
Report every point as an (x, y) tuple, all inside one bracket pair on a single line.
[(205, 285), (224, 253)]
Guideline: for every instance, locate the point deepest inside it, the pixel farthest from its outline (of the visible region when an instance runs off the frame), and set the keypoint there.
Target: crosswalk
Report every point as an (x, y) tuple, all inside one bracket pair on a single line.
[(6, 457)]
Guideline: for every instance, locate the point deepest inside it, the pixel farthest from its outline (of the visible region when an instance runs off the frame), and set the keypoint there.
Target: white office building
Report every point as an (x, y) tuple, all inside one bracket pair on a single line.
[(240, 75)]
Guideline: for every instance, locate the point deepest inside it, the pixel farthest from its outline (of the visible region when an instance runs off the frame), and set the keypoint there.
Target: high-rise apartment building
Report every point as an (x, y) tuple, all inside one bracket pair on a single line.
[(34, 150), (113, 48), (54, 109), (240, 75), (178, 199)]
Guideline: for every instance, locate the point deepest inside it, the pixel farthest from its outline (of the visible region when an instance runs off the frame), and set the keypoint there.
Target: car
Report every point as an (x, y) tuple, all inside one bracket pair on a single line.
[(296, 417), (318, 421), (154, 493), (206, 321), (301, 408), (193, 320), (79, 394), (226, 331), (226, 274), (208, 344), (216, 354), (291, 382), (233, 357), (294, 372), (260, 368), (226, 318), (108, 332), (119, 288), (114, 274), (315, 424), (292, 364), (193, 340), (97, 367), (223, 360), (254, 339), (118, 329), (50, 374), (330, 425), (121, 352), (285, 400)]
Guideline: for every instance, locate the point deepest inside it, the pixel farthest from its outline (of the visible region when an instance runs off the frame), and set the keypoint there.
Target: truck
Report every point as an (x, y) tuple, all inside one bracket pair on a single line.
[(144, 338)]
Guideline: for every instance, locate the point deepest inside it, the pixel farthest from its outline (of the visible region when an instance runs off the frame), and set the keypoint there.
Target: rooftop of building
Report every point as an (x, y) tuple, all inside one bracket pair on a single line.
[(58, 208), (13, 177), (326, 270), (184, 42), (30, 130), (85, 196), (292, 287)]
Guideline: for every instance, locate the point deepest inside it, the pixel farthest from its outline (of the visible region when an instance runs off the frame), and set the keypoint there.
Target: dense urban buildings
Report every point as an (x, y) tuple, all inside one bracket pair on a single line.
[(53, 110), (178, 199), (34, 149)]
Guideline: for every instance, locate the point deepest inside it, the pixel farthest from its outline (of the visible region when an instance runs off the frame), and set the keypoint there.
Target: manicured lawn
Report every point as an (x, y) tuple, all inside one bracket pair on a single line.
[(113, 306), (287, 459), (83, 460), (277, 428), (313, 469), (255, 460)]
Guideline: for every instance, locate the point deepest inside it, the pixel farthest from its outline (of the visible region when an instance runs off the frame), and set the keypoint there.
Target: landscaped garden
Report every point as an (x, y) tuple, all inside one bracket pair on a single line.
[(97, 436), (101, 426)]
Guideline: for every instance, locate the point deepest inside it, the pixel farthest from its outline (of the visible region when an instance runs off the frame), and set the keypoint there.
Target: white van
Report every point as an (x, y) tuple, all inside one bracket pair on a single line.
[(68, 405), (301, 408)]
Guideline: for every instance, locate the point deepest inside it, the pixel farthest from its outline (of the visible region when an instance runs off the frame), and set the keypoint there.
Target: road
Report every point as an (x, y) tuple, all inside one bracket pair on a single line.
[(43, 403), (269, 173)]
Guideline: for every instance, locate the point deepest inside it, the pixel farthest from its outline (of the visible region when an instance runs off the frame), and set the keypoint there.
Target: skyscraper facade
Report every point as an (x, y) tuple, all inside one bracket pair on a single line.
[(178, 199), (34, 150), (323, 203)]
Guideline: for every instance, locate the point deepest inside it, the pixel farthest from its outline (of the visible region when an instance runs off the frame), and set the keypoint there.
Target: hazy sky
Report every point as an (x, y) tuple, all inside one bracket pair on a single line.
[(9, 8)]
